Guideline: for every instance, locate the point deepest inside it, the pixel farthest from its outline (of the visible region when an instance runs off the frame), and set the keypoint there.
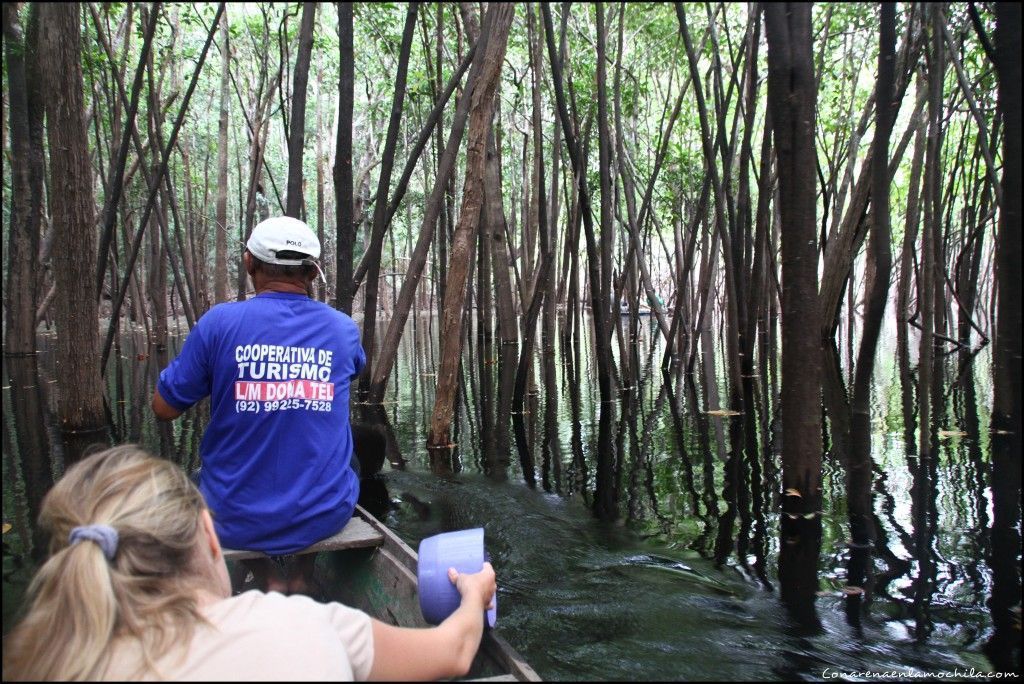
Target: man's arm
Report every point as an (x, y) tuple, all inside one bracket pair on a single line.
[(162, 409)]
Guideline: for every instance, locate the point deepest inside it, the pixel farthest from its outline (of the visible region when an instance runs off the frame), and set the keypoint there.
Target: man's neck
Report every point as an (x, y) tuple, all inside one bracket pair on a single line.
[(288, 286)]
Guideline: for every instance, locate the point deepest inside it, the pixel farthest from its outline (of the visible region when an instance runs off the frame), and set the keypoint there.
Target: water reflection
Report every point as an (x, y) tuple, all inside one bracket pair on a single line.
[(682, 582)]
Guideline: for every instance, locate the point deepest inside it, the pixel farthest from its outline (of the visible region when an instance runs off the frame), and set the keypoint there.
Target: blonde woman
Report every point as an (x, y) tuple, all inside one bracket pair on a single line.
[(136, 588)]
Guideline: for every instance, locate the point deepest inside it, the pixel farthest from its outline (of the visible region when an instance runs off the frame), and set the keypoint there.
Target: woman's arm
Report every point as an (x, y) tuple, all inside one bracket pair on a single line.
[(401, 653)]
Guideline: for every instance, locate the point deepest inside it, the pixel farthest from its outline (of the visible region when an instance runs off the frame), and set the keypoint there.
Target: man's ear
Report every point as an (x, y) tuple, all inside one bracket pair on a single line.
[(248, 262)]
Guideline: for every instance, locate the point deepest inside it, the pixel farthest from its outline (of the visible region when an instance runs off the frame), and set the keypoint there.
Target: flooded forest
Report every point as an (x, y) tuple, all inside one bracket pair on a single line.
[(709, 313)]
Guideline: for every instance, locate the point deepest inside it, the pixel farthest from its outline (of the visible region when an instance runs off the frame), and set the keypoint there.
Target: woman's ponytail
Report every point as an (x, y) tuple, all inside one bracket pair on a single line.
[(71, 602)]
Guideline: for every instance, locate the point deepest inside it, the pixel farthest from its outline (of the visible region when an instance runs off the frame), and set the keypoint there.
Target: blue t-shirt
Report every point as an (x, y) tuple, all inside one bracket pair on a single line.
[(277, 454)]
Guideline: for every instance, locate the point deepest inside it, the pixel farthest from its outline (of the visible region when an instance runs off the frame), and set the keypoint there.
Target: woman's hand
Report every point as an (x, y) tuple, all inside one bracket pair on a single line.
[(404, 654), (476, 588)]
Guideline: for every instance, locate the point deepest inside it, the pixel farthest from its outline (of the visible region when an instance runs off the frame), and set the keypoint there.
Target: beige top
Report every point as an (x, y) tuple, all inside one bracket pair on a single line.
[(257, 636)]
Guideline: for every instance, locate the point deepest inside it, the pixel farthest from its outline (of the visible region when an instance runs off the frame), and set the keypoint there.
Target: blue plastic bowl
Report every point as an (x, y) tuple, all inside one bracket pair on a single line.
[(462, 550)]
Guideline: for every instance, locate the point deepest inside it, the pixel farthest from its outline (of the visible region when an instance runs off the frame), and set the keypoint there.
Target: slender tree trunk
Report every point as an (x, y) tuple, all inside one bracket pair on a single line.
[(297, 124), (499, 20), (133, 250), (932, 201), (600, 311), (343, 159), (156, 287), (604, 151), (432, 225), (879, 248), (1006, 409), (220, 249), (907, 270), (373, 252), (80, 388), (546, 253), (844, 244), (859, 461), (496, 227), (321, 286), (113, 194)]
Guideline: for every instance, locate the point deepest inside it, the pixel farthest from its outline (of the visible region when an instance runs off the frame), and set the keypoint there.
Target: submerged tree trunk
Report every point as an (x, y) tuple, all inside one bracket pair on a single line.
[(80, 395), (791, 98), (859, 462), (1004, 646), (499, 19)]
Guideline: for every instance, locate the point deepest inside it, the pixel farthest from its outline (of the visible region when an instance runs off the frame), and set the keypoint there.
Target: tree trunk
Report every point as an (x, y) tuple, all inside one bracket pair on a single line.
[(80, 388), (931, 234), (494, 213), (599, 310), (345, 230), (1006, 408), (859, 461), (844, 245), (432, 225), (499, 19), (604, 152), (494, 226), (220, 241), (26, 189), (297, 124), (156, 287), (1003, 648), (879, 248), (373, 251), (543, 274), (791, 99), (133, 250), (907, 270), (113, 194)]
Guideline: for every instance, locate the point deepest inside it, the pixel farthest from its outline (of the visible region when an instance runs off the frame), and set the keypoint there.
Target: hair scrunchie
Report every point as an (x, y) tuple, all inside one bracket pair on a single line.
[(104, 535)]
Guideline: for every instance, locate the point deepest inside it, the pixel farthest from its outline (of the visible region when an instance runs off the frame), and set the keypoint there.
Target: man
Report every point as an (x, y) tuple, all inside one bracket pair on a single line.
[(277, 454)]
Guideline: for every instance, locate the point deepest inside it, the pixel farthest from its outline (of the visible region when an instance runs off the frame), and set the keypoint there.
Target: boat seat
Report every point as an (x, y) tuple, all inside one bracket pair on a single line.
[(357, 534), (498, 678)]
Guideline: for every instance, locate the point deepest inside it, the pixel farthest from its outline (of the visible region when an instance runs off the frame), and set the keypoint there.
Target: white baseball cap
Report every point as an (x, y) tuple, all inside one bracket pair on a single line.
[(283, 234)]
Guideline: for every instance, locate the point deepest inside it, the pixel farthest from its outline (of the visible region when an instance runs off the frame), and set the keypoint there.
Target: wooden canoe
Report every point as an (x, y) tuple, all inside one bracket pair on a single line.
[(370, 568)]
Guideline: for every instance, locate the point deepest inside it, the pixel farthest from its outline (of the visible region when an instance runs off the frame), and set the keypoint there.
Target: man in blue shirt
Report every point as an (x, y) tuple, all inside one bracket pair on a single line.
[(277, 454)]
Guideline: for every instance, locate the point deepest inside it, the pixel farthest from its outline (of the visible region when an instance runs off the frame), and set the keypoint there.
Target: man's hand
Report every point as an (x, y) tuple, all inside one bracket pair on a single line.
[(162, 409)]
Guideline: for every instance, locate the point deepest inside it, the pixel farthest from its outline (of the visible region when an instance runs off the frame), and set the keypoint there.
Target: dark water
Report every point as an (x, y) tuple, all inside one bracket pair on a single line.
[(684, 584)]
